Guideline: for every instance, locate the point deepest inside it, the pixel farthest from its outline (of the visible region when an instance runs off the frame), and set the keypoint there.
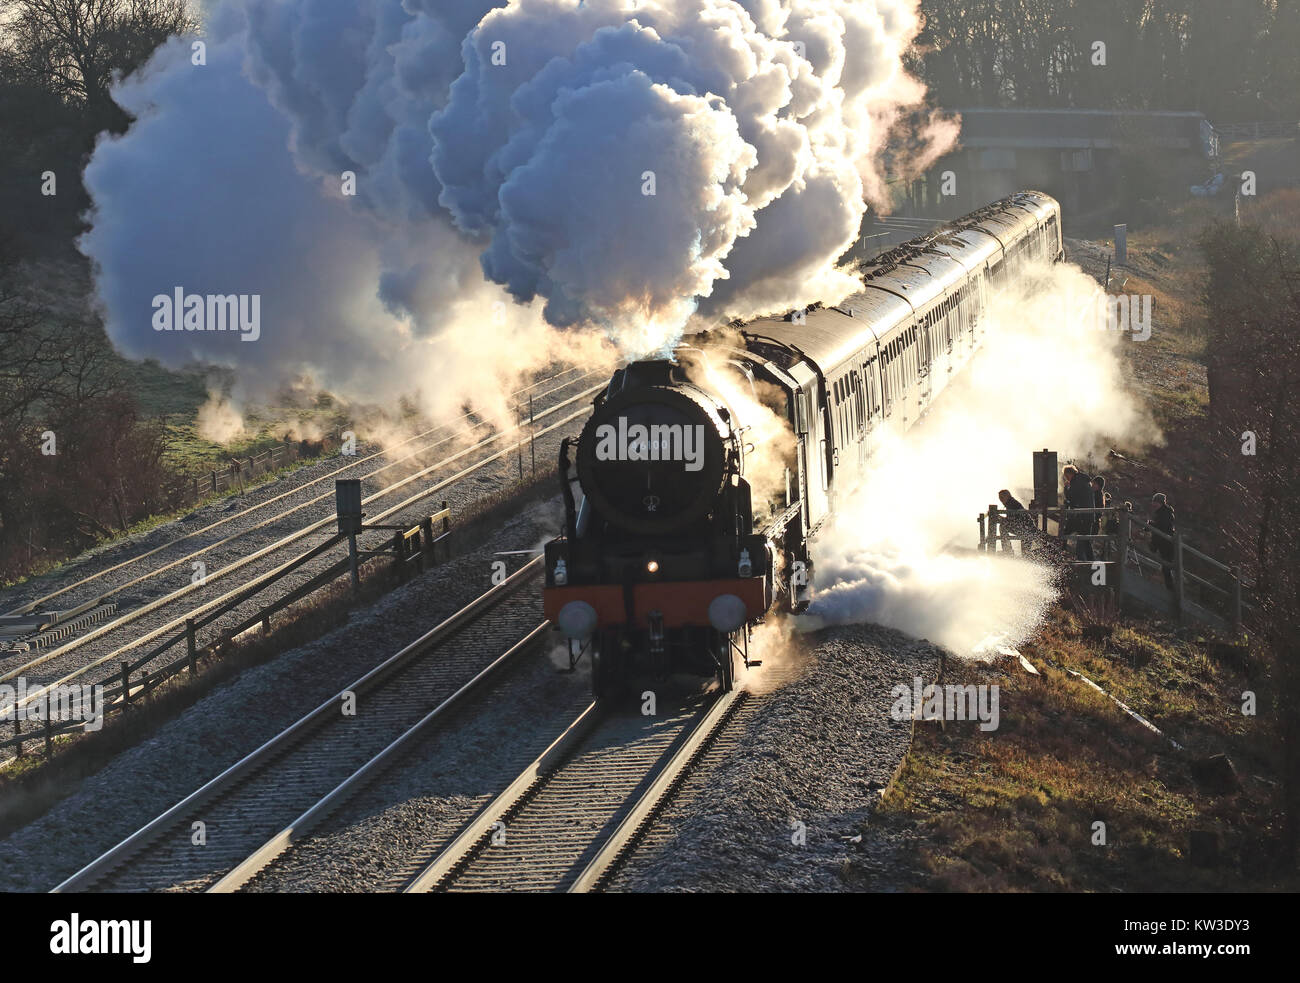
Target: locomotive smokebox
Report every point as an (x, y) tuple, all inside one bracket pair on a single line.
[(656, 452)]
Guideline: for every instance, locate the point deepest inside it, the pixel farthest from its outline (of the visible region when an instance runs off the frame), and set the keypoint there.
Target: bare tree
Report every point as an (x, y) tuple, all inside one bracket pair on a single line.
[(1253, 298), (74, 457), (74, 48)]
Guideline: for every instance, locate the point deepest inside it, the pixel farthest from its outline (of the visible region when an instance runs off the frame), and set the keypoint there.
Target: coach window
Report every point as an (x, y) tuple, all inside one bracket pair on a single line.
[(855, 418), (837, 414), (846, 413), (835, 409), (849, 425)]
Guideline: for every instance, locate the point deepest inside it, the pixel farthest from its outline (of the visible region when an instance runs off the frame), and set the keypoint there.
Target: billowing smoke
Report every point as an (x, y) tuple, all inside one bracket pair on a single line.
[(225, 186), (757, 408), (632, 161), (1049, 375), (412, 189)]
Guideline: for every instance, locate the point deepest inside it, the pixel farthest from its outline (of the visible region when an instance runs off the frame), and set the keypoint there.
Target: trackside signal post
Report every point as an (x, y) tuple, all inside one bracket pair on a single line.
[(1045, 479), (347, 507)]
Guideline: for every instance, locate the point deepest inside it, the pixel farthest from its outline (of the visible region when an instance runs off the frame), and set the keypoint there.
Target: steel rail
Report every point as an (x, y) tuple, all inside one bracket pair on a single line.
[(462, 852), (623, 841), (31, 605), (349, 787), (289, 737), (33, 695), (460, 849)]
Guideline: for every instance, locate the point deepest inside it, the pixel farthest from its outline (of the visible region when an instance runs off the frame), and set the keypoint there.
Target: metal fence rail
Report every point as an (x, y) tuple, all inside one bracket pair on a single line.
[(1217, 597), (412, 548)]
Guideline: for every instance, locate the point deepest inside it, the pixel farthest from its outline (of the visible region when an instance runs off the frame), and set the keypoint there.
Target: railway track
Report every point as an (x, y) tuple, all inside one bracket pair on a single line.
[(580, 810), (657, 828), (64, 664), (254, 810), (442, 430)]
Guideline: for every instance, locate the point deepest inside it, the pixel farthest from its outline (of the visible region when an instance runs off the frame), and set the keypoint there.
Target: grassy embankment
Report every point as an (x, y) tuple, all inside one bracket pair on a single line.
[(1015, 809)]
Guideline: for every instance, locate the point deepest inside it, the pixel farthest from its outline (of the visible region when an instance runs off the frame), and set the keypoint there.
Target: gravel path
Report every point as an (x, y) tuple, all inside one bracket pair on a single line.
[(228, 723)]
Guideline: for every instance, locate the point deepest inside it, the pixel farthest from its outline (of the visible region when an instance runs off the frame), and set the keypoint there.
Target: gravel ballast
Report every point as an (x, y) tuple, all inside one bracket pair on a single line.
[(818, 752), (236, 718)]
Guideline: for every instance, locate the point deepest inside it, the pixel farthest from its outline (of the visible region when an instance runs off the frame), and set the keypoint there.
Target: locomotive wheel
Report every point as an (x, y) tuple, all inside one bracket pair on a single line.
[(727, 665), (607, 667)]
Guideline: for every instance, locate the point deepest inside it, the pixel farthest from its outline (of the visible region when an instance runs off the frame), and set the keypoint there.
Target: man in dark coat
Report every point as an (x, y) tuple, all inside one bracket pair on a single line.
[(1019, 522), (1162, 542), (1078, 495)]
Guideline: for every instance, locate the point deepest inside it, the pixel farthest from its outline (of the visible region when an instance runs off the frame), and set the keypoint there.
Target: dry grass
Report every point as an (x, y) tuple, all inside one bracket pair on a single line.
[(1014, 810)]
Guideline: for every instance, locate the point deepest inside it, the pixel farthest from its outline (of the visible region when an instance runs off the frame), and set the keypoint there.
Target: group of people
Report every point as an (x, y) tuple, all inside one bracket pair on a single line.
[(1084, 491)]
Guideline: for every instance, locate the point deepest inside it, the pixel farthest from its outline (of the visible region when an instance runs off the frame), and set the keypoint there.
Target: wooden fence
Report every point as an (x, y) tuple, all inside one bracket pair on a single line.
[(1202, 587), (242, 470), (412, 548)]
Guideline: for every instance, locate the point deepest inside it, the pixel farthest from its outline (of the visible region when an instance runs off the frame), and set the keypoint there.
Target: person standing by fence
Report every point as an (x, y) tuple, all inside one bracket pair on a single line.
[(1078, 495), (1162, 537), (1019, 522), (1098, 485)]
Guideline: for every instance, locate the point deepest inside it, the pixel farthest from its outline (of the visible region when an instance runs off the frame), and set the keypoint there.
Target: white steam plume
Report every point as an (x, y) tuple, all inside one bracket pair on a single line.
[(632, 161), (1047, 376), (219, 188), (219, 420), (511, 141)]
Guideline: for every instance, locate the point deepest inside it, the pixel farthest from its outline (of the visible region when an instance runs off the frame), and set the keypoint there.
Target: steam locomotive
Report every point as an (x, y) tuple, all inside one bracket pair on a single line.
[(705, 477)]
